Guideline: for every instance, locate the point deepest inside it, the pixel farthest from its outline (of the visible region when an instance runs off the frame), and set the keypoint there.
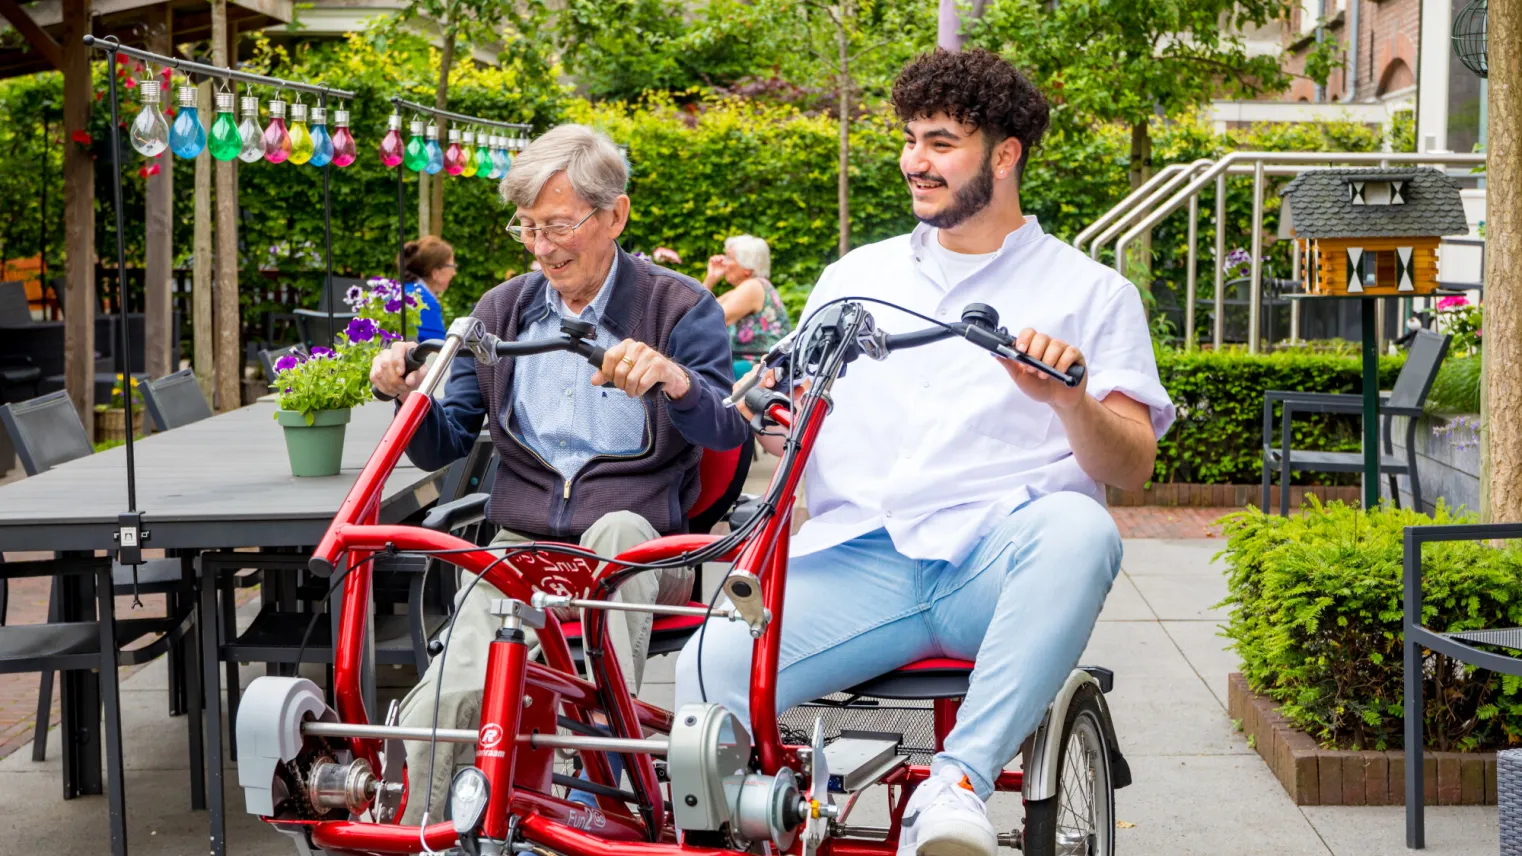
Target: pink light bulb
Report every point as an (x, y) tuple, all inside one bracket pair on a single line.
[(454, 156), (392, 147), (277, 140), (344, 150)]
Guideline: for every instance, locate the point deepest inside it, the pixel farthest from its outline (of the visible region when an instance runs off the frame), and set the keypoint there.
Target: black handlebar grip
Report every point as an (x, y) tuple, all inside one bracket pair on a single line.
[(595, 356), (1076, 371), (410, 364)]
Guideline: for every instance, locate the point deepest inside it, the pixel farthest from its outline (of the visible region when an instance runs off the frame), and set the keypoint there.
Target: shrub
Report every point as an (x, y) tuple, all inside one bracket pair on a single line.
[(1218, 437), (1456, 389), (1316, 619)]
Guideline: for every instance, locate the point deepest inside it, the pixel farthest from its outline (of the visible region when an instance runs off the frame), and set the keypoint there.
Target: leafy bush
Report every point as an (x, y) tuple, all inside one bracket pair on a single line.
[(1457, 387), (1218, 437), (1317, 621)]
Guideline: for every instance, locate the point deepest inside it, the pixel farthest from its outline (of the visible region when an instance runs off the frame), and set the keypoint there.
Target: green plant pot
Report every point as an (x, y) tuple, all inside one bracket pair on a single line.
[(316, 449)]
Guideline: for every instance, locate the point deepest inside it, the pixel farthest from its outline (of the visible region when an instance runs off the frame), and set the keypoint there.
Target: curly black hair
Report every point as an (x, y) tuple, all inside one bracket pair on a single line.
[(975, 87)]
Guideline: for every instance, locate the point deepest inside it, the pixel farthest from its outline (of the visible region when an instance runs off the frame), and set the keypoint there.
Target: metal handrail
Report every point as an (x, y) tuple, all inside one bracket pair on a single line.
[(1123, 204), (1156, 196), (1258, 162)]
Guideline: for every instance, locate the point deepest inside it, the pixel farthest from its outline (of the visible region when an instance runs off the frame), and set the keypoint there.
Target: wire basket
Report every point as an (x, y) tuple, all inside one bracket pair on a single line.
[(1469, 37)]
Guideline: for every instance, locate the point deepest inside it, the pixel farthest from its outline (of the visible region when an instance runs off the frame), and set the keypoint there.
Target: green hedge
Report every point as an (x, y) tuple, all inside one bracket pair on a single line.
[(1316, 618), (1218, 436)]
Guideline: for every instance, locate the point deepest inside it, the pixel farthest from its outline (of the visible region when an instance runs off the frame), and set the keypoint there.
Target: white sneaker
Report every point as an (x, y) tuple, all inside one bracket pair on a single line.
[(945, 817)]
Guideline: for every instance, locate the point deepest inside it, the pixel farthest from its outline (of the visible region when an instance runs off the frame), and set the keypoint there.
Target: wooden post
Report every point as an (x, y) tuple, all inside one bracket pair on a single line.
[(158, 261), (229, 320), (202, 301), (1503, 259), (78, 213)]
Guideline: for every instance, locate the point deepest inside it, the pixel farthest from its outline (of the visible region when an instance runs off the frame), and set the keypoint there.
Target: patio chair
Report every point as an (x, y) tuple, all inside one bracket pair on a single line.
[(1406, 399), (47, 432), (313, 323), (175, 400)]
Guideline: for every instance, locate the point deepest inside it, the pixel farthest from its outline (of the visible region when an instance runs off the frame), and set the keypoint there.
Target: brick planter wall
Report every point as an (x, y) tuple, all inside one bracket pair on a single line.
[(1174, 494), (1315, 776)]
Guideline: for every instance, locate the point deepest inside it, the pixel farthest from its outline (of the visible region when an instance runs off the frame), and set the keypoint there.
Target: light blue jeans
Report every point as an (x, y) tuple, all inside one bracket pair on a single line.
[(1021, 605)]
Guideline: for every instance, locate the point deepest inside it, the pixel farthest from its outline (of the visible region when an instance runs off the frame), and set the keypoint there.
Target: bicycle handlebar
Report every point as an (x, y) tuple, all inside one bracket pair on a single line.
[(573, 338)]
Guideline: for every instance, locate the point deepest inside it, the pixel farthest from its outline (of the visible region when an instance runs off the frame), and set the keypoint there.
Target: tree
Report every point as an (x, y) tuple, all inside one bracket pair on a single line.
[(1503, 258)]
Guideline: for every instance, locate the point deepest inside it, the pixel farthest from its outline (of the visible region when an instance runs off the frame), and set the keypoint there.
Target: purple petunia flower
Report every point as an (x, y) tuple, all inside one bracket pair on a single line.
[(411, 300), (287, 362), (388, 336), (355, 296), (320, 351), (361, 330), (393, 305)]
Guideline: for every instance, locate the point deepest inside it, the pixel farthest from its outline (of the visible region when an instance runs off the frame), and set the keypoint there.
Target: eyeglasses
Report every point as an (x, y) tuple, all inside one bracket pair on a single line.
[(556, 232), (450, 265)]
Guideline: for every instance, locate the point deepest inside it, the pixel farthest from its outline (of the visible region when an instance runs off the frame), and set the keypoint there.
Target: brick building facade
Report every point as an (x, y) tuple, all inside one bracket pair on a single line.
[(1380, 64)]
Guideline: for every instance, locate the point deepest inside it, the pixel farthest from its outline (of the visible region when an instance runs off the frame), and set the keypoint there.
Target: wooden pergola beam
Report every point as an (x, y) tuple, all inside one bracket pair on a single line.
[(39, 40)]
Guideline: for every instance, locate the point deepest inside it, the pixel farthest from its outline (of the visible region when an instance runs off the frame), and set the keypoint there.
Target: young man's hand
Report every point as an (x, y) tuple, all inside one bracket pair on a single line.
[(1041, 387)]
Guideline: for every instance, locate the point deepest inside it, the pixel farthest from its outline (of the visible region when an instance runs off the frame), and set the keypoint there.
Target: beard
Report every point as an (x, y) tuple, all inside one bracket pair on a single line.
[(967, 201)]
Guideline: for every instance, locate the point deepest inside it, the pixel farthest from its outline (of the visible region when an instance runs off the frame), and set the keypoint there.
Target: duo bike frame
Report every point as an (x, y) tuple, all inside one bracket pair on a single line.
[(512, 680)]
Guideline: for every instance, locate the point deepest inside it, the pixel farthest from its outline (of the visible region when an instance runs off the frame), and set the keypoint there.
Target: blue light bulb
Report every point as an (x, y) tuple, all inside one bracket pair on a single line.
[(187, 137), (322, 141), (435, 153)]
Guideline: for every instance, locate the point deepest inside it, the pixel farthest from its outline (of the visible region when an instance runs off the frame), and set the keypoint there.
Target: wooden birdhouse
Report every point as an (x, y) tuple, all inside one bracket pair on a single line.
[(1371, 231)]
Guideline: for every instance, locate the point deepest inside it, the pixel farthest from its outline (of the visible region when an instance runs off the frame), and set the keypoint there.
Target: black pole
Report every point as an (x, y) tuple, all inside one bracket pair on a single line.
[(122, 364), (327, 235), (401, 241), (42, 252)]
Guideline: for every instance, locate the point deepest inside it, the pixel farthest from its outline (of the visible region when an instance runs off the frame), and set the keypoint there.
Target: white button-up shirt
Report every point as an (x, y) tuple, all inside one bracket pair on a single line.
[(938, 444)]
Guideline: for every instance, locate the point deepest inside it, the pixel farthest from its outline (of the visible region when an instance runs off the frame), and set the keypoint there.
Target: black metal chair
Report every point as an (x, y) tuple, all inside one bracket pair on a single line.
[(1406, 399), (175, 400), (47, 432), (313, 323), (1463, 646)]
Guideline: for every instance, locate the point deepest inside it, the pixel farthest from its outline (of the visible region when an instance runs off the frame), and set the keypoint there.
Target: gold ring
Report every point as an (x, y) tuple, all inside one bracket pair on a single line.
[(627, 360)]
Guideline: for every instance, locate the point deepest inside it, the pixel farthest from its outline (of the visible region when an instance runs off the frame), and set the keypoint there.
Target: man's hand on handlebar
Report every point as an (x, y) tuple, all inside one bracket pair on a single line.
[(636, 368), (389, 375), (1039, 386)]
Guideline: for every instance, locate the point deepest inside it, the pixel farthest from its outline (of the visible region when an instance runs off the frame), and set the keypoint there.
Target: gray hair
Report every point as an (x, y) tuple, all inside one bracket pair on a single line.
[(752, 253), (590, 160)]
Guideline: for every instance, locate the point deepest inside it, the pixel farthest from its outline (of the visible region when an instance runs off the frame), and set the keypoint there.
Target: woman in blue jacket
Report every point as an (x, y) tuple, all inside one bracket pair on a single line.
[(428, 264)]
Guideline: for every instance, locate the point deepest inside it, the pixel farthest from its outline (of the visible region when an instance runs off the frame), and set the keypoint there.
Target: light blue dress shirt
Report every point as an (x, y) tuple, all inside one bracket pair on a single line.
[(560, 415)]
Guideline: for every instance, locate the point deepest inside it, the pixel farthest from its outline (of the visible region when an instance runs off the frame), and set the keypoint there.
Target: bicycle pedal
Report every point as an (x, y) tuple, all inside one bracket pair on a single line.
[(859, 759)]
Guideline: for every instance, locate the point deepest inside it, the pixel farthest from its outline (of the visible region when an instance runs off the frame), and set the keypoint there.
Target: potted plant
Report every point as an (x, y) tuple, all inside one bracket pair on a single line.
[(111, 417)]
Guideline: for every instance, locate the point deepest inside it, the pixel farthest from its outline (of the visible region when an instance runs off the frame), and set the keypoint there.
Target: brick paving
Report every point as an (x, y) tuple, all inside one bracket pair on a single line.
[(1153, 521)]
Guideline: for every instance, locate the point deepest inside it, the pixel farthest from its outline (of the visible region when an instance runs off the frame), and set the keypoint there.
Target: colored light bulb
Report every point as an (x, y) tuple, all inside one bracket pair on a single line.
[(186, 137), (416, 156), (468, 154), (302, 145), (484, 164), (504, 160), (225, 142), (249, 130), (344, 150), (277, 140), (150, 130), (392, 149), (435, 163), (322, 142), (454, 156)]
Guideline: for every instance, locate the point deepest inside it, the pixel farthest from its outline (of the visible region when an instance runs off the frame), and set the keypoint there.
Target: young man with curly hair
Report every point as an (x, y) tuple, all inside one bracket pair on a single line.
[(956, 501)]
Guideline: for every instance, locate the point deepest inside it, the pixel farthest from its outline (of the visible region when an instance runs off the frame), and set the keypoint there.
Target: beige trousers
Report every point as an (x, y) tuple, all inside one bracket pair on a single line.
[(457, 684)]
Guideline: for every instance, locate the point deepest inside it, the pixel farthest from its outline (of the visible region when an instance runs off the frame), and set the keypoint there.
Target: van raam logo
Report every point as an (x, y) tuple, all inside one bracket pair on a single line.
[(491, 735)]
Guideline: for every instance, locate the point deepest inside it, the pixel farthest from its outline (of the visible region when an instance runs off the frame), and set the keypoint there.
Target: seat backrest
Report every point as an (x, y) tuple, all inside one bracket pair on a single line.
[(46, 431), (722, 476), (467, 475), (1422, 362), (15, 311), (175, 400), (335, 292), (267, 359)]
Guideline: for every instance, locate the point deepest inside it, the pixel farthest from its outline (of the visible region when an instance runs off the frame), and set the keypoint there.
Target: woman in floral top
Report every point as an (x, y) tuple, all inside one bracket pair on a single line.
[(752, 308)]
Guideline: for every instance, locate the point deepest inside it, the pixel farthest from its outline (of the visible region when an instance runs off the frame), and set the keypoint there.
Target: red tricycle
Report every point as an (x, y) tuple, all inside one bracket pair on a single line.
[(698, 783)]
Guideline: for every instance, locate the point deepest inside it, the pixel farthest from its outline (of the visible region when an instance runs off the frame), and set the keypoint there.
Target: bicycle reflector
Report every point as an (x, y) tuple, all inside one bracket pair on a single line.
[(468, 795)]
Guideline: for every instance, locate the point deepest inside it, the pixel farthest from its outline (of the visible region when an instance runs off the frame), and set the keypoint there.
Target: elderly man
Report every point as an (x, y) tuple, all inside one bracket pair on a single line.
[(612, 468)]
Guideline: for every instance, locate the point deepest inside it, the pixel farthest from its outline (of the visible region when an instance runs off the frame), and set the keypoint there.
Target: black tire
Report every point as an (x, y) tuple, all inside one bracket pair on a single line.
[(1072, 823)]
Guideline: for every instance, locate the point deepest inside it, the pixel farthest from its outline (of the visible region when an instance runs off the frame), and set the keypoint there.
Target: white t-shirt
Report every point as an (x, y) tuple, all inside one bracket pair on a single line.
[(938, 445), (949, 268)]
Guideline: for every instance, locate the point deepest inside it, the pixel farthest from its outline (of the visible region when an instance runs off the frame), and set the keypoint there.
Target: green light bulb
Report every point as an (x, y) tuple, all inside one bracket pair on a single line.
[(301, 138), (224, 141), (416, 155)]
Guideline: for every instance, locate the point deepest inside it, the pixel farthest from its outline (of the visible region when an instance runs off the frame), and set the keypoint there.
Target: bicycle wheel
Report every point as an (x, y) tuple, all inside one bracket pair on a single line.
[(1080, 819)]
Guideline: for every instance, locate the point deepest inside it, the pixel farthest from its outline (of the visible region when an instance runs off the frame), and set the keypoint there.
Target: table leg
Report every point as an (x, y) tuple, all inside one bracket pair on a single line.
[(79, 699), (1370, 405), (211, 685), (116, 797)]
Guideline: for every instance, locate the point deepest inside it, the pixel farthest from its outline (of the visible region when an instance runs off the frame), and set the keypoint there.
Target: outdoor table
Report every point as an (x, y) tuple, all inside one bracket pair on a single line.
[(220, 483)]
